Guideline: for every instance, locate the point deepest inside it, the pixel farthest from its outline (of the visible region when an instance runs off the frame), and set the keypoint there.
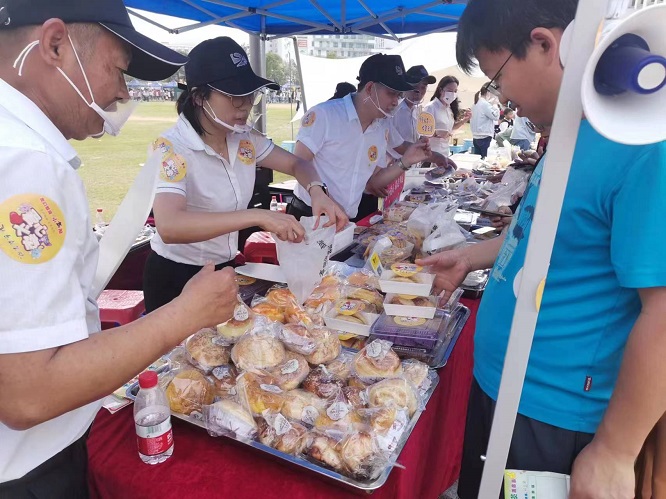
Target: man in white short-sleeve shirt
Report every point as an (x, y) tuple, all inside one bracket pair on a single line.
[(56, 59), (347, 139)]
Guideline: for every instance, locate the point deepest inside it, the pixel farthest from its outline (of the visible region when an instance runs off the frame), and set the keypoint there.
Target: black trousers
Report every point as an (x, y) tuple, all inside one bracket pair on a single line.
[(64, 476), (164, 279), (535, 446), (481, 146)]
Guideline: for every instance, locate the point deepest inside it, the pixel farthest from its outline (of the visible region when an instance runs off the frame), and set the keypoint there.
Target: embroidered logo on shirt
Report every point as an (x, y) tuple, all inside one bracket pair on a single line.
[(372, 153), (174, 168), (246, 152), (239, 59), (32, 228), (164, 146), (398, 70), (309, 119)]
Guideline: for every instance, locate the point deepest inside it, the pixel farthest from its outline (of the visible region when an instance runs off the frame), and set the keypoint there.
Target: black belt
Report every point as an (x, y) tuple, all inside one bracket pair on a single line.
[(298, 208)]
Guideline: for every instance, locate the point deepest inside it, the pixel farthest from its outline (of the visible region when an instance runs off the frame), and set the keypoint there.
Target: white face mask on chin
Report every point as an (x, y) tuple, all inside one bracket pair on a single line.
[(247, 127), (376, 104), (114, 116)]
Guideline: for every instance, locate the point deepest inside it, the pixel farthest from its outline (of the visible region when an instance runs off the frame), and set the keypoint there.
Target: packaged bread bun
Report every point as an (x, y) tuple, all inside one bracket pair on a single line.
[(395, 391), (325, 450), (228, 417), (297, 338), (360, 454), (377, 360), (342, 365), (257, 351), (188, 391), (206, 351), (327, 348), (224, 380), (303, 405), (416, 373), (269, 310), (237, 326), (323, 383), (281, 297), (291, 372), (363, 279), (282, 434), (260, 392)]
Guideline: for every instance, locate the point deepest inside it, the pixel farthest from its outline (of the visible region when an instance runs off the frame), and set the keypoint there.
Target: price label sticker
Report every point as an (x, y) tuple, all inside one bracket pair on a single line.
[(425, 125), (376, 264)]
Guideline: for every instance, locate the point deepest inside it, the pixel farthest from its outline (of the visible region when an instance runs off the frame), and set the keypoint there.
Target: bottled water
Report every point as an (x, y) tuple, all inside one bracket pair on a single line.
[(152, 420)]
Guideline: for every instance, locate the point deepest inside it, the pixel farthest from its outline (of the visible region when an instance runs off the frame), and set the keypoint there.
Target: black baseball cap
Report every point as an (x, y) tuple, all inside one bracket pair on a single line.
[(385, 69), (151, 61), (223, 64), (416, 74)]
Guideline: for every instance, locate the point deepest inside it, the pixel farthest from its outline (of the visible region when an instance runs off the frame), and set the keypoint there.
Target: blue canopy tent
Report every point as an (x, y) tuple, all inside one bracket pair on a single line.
[(278, 18)]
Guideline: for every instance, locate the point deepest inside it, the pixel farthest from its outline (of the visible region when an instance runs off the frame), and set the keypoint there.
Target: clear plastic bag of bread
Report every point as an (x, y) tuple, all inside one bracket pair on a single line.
[(289, 374), (373, 299), (297, 338), (339, 413), (323, 383), (352, 452), (341, 366), (260, 349), (397, 392), (418, 374), (327, 347), (328, 291), (388, 423), (377, 361), (390, 249), (224, 380), (283, 434), (302, 405), (188, 390), (241, 323), (206, 350), (230, 417), (399, 211), (268, 309), (259, 393), (363, 278)]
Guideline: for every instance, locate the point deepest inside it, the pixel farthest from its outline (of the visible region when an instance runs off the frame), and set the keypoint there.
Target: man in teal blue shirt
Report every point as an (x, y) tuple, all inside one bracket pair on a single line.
[(596, 379)]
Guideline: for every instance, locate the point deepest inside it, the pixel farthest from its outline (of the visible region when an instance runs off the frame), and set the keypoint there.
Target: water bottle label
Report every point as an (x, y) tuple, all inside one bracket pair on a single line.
[(154, 440)]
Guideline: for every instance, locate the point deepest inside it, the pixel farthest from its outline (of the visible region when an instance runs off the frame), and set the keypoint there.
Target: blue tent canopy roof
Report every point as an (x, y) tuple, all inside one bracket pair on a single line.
[(274, 18)]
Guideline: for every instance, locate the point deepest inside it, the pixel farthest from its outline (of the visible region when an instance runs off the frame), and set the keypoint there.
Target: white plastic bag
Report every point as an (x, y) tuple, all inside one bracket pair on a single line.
[(304, 264)]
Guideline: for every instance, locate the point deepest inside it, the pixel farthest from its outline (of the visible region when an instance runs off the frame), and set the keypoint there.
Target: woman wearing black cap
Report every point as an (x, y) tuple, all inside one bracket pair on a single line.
[(208, 173)]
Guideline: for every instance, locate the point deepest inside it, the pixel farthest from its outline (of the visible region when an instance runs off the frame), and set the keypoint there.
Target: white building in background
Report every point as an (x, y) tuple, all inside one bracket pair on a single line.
[(339, 46)]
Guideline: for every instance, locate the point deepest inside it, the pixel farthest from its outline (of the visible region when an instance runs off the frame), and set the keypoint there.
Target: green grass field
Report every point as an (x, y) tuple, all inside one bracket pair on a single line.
[(111, 163)]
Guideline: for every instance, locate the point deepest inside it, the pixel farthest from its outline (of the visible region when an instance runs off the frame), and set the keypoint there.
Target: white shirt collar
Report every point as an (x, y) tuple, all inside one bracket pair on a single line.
[(192, 140), (352, 115), (26, 111)]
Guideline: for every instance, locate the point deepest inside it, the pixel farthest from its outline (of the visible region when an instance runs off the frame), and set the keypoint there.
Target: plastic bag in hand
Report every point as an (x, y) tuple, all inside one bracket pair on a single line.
[(304, 264)]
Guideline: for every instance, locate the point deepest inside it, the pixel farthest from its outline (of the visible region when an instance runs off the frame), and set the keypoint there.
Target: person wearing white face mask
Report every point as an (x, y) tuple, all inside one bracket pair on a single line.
[(445, 107), (485, 114), (209, 164), (347, 138), (406, 116), (62, 69)]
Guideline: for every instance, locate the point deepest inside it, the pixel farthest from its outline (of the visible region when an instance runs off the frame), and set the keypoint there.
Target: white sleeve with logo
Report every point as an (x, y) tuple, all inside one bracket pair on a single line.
[(47, 253), (173, 167), (313, 129)]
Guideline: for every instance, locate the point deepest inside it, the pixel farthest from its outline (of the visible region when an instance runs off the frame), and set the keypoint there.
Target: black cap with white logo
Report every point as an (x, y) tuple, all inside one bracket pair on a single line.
[(416, 74), (385, 69), (223, 64), (151, 61)]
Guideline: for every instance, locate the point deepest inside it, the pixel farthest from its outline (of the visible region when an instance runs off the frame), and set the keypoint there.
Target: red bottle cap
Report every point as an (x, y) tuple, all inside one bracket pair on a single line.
[(148, 379)]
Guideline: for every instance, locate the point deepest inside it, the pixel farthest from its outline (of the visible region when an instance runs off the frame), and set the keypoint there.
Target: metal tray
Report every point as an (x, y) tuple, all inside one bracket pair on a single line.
[(326, 473)]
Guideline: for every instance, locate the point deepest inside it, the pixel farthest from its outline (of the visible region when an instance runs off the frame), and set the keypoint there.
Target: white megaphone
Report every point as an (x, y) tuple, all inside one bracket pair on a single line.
[(624, 84)]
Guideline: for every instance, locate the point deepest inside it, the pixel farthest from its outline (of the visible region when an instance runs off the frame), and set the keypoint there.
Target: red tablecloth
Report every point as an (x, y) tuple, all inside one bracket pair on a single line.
[(204, 467)]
